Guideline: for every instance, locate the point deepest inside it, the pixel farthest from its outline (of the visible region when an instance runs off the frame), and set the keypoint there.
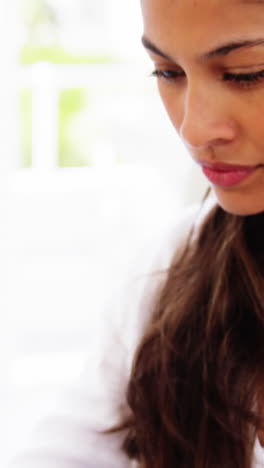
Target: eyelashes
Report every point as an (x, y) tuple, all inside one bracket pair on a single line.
[(167, 74), (244, 80)]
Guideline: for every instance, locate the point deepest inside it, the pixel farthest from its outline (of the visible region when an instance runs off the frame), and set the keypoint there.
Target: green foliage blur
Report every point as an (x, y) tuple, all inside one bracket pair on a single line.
[(39, 14), (59, 56), (71, 151)]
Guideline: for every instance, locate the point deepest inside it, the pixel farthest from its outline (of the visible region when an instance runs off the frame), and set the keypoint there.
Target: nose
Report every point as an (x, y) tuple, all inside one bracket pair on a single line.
[(206, 120)]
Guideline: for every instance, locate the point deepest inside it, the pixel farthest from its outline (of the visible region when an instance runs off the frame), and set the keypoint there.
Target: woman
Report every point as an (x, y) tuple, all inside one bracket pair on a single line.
[(203, 354), (190, 343)]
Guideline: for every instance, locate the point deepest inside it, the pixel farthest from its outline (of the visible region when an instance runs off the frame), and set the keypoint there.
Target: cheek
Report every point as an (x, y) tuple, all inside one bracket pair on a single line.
[(255, 124), (251, 119)]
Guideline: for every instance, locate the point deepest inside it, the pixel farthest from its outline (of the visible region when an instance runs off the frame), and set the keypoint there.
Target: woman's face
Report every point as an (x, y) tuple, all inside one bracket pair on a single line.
[(209, 61)]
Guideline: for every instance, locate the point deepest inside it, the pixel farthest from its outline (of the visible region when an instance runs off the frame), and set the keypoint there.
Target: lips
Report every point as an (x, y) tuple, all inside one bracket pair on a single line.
[(227, 175), (227, 167)]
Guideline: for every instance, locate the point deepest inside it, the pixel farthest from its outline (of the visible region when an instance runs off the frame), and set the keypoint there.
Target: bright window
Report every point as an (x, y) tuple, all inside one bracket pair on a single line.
[(94, 170)]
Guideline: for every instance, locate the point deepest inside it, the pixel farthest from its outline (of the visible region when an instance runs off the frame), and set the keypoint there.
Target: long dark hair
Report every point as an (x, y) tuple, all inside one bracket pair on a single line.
[(198, 371)]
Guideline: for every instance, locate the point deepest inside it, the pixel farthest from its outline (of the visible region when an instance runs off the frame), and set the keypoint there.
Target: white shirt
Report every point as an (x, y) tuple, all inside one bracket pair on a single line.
[(70, 438)]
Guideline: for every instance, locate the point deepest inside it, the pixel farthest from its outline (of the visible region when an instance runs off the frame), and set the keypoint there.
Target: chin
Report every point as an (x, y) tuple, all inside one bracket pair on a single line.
[(239, 204)]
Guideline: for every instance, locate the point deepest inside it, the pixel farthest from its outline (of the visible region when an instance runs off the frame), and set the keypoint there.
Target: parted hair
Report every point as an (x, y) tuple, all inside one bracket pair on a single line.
[(198, 373)]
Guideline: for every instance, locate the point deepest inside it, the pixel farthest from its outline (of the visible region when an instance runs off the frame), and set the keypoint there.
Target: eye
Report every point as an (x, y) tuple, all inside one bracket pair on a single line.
[(167, 74), (242, 80), (245, 80)]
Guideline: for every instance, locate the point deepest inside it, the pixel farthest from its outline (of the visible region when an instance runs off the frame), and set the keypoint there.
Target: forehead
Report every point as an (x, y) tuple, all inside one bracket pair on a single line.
[(195, 23)]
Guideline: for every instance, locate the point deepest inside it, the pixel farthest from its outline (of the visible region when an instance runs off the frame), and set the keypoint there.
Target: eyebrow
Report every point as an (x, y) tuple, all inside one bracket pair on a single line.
[(220, 51)]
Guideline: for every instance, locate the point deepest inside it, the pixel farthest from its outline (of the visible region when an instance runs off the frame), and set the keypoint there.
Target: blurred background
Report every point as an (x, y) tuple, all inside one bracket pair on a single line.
[(91, 170)]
